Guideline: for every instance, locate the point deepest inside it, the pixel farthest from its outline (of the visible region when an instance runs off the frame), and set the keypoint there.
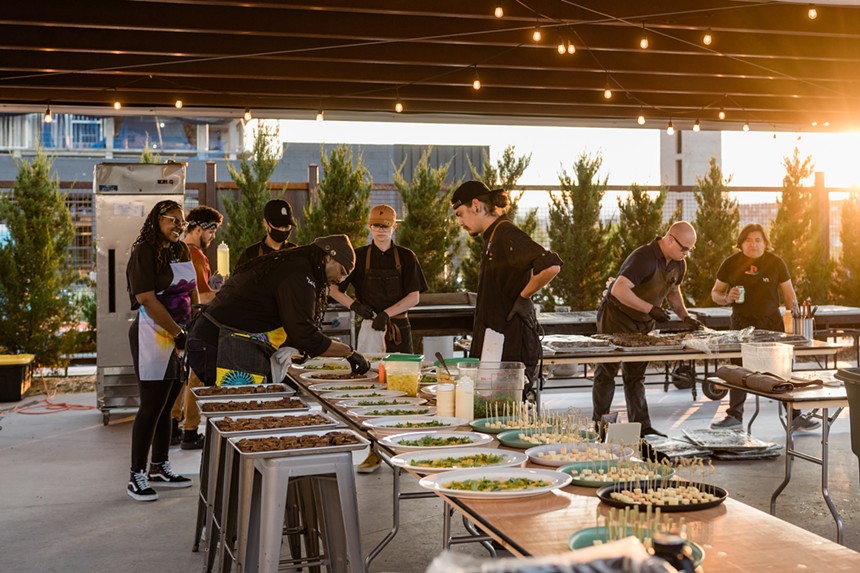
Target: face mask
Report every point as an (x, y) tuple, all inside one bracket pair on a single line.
[(279, 236)]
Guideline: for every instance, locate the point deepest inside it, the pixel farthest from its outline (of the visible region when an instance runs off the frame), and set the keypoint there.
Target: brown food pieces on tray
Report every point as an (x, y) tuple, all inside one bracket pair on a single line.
[(302, 442), (337, 376), (637, 339), (245, 389), (270, 422), (237, 406)]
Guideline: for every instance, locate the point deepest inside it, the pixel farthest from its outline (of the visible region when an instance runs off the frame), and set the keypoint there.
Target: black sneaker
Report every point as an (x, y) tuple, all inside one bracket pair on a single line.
[(650, 431), (163, 475), (138, 487), (804, 423), (191, 440)]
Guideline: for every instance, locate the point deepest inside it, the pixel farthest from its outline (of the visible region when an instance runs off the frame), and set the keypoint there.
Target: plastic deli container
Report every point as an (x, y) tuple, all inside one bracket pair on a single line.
[(453, 366), (403, 372), (772, 357), (498, 386)]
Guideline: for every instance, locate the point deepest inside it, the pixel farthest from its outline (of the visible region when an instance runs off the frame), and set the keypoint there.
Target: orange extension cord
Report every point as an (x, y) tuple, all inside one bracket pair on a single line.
[(46, 405)]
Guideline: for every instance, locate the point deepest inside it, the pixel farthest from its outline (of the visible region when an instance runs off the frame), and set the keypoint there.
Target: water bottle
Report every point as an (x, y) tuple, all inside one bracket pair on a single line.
[(223, 262)]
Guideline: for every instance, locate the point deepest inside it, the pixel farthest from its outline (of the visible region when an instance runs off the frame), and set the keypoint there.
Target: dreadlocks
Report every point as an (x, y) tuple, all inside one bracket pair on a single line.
[(150, 234), (314, 254)]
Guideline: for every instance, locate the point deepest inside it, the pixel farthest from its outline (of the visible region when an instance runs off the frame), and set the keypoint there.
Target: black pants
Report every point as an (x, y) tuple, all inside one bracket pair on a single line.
[(151, 427), (611, 320)]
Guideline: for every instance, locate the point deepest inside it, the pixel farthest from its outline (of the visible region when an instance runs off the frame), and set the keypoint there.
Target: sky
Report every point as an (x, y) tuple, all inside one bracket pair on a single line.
[(629, 155)]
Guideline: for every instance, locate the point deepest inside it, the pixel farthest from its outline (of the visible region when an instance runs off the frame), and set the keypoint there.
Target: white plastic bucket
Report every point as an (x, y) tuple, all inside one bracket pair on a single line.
[(773, 357)]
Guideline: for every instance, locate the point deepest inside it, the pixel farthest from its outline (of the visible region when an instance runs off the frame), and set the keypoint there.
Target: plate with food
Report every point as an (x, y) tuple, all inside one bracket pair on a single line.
[(495, 483), (499, 424), (406, 411), (346, 386), (375, 392), (600, 535), (398, 425), (603, 472), (416, 441), (434, 461), (668, 495), (331, 364), (560, 454), (380, 401), (338, 376), (529, 437)]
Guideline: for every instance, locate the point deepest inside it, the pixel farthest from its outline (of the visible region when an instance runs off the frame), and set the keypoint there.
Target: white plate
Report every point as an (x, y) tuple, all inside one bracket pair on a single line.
[(393, 442), (320, 376), (512, 458), (346, 386), (372, 393), (431, 390), (616, 451), (314, 365), (367, 411), (438, 482), (381, 427), (381, 401)]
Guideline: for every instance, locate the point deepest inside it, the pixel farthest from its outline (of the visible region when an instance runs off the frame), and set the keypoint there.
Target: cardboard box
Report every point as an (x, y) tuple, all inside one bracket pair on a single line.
[(16, 374)]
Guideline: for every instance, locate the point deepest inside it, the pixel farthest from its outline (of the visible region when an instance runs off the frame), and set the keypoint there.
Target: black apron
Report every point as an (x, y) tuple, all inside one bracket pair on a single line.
[(654, 290), (242, 357), (381, 289)]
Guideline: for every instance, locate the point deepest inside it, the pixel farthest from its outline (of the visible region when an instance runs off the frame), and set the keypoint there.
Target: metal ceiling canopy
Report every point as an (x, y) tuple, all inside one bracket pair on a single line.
[(768, 64)]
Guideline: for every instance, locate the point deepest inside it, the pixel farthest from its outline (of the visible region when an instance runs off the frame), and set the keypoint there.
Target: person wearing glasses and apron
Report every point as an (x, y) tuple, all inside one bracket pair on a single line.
[(650, 275), (162, 286), (387, 279)]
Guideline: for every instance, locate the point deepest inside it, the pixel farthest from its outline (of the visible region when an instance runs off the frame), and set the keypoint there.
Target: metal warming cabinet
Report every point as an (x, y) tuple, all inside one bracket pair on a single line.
[(124, 194)]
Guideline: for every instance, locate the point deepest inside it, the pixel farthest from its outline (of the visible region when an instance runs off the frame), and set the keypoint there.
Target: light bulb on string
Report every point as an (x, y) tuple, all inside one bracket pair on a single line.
[(670, 129), (571, 49), (49, 117), (814, 124), (708, 38), (812, 13), (697, 126), (641, 119), (536, 34), (320, 115), (178, 104), (562, 49), (746, 126), (643, 41), (476, 83), (607, 93), (117, 105), (499, 11), (722, 114), (247, 115), (398, 106)]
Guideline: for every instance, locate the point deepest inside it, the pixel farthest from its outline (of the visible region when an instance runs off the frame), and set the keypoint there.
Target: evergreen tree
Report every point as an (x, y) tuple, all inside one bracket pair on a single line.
[(428, 228), (244, 220), (504, 174), (342, 202), (848, 284), (579, 237), (35, 273), (640, 219), (790, 233), (716, 226)]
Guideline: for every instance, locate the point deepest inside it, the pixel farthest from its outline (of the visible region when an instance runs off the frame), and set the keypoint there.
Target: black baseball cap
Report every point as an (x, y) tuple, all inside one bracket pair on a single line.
[(468, 191), (278, 213)]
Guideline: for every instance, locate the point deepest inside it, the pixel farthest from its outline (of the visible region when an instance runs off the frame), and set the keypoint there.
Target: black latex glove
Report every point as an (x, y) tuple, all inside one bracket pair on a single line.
[(179, 340), (659, 314), (693, 322), (301, 359), (361, 310), (525, 308), (358, 363), (381, 321)]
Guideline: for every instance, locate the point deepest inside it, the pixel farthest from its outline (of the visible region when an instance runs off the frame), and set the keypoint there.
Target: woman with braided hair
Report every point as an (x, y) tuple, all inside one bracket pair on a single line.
[(271, 301), (162, 285)]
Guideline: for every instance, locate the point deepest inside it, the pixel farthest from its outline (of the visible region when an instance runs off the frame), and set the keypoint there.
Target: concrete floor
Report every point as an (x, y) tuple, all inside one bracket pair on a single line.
[(63, 505)]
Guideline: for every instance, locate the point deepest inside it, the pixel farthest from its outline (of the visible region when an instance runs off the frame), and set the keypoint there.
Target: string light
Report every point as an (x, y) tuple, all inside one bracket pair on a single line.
[(643, 41), (562, 49), (178, 104), (814, 124), (476, 83), (641, 119), (320, 115), (746, 126), (697, 126), (537, 35), (398, 106), (826, 124), (607, 92), (247, 115), (499, 11), (571, 49), (49, 117), (812, 12), (722, 114), (708, 38), (670, 129), (117, 105)]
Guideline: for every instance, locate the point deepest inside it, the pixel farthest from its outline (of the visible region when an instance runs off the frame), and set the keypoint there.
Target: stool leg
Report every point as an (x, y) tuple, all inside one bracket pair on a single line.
[(269, 501), (348, 515), (227, 535), (243, 511), (309, 498), (292, 520)]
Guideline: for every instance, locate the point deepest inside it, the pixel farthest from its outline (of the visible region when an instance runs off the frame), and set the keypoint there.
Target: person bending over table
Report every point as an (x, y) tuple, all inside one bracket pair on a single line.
[(272, 301), (513, 268), (763, 275), (650, 275)]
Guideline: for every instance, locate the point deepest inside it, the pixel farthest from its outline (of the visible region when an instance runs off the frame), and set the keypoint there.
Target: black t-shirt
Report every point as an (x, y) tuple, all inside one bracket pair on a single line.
[(266, 297), (644, 267), (760, 278), (411, 276), (143, 275), (259, 249)]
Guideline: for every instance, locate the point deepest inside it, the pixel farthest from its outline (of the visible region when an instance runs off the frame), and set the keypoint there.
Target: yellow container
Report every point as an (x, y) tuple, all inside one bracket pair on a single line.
[(403, 373)]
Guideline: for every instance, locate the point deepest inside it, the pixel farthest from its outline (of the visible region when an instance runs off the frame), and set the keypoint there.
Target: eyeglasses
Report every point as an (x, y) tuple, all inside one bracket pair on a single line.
[(684, 249), (381, 227), (181, 223)]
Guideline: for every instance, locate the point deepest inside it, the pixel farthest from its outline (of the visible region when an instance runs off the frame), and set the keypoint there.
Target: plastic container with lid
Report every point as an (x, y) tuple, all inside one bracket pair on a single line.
[(403, 372), (772, 357), (496, 384), (445, 400), (453, 366)]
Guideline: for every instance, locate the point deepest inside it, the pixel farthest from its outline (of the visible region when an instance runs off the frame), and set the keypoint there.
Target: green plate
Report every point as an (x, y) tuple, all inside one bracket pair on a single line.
[(481, 425), (665, 471), (586, 537), (511, 438)]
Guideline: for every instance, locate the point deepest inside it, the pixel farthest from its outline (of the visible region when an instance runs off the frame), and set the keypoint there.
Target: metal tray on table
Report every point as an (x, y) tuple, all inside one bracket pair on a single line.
[(361, 444), (287, 391), (274, 410), (653, 349), (333, 423)]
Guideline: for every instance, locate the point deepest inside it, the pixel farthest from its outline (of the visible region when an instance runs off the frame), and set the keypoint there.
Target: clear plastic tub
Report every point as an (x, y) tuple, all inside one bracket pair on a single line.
[(498, 386), (403, 372), (772, 357), (453, 367)]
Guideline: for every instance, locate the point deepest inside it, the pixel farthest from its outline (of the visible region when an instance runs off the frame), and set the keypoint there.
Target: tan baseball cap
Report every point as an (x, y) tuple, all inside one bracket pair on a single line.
[(383, 215)]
